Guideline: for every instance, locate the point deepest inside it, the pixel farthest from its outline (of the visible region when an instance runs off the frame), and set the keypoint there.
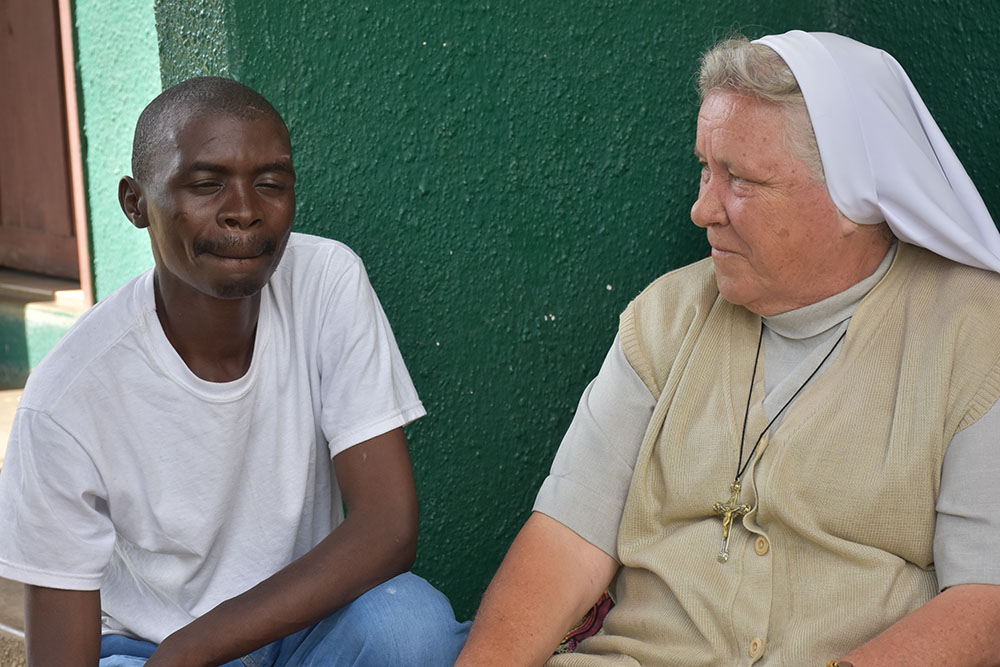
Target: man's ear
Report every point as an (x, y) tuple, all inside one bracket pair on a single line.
[(132, 202)]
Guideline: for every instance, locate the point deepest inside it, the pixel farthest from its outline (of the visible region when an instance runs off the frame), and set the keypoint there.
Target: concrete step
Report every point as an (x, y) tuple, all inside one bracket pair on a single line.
[(9, 399), (11, 651), (35, 312), (11, 624)]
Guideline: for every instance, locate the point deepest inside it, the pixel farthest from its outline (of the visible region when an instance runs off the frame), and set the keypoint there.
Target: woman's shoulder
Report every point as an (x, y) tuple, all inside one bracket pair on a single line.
[(672, 308)]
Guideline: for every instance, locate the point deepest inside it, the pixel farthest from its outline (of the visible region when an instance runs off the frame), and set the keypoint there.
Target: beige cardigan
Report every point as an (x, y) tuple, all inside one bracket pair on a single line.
[(838, 545)]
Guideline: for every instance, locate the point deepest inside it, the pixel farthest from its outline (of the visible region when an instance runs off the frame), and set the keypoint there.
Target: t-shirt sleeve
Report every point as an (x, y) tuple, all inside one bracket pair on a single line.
[(56, 530), (590, 476), (967, 528), (366, 388)]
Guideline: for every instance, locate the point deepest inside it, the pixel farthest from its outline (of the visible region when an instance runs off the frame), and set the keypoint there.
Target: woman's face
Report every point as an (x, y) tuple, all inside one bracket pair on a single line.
[(778, 241)]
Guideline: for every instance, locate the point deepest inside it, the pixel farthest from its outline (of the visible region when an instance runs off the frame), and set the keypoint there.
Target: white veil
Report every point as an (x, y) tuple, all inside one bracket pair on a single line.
[(883, 154)]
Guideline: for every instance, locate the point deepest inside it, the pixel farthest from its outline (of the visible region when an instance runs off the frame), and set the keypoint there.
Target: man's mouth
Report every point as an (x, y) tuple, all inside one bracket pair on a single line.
[(229, 247), (236, 255)]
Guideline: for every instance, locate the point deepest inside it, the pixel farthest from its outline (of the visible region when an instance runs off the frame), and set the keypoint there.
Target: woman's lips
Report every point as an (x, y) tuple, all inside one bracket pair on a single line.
[(722, 252)]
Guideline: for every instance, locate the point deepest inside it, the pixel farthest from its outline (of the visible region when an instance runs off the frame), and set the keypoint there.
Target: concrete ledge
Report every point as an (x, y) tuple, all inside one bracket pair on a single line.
[(35, 312), (11, 624), (11, 651), (31, 287), (9, 399)]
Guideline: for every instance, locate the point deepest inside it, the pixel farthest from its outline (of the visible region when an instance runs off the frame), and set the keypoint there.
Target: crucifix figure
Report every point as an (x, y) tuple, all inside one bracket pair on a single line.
[(730, 511)]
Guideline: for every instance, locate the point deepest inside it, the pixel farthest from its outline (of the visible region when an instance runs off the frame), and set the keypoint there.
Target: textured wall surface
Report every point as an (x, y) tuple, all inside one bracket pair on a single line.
[(513, 173), (117, 73), (193, 39)]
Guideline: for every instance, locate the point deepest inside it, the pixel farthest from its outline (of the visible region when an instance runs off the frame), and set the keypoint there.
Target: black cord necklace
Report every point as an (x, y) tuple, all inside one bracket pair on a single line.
[(733, 509)]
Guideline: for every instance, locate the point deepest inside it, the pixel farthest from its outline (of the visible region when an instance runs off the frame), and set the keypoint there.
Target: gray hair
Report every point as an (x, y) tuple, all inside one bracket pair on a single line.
[(736, 65)]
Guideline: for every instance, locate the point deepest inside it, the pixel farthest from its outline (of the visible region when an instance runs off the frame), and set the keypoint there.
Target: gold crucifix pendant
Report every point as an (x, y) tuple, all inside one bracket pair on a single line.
[(729, 511)]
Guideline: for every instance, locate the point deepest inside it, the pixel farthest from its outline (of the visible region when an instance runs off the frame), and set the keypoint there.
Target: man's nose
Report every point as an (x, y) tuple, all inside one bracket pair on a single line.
[(708, 208), (240, 206)]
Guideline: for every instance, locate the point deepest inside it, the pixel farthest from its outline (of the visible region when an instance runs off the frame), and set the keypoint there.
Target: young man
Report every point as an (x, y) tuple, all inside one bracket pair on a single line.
[(168, 492)]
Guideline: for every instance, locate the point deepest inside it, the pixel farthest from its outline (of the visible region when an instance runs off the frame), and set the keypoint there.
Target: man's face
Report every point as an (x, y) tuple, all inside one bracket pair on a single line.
[(778, 241), (219, 203)]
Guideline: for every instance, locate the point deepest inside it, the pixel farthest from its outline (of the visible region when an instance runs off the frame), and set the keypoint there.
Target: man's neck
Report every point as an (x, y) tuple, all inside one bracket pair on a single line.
[(214, 337)]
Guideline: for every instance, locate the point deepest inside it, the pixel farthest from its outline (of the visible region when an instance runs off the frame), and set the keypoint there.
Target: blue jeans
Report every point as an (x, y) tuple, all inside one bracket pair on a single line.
[(405, 622)]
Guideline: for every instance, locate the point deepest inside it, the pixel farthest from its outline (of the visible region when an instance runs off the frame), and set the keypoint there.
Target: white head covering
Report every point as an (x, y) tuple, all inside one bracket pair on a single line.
[(883, 154)]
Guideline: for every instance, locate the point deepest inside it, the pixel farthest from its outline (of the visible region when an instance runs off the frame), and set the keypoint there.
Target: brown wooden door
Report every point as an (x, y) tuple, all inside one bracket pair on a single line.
[(37, 230)]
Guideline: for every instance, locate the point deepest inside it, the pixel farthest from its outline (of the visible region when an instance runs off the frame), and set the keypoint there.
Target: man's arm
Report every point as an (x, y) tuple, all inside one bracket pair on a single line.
[(376, 541), (62, 628), (546, 583), (960, 626)]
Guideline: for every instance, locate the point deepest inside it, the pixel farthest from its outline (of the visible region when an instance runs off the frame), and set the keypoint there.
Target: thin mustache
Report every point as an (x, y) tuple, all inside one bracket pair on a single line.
[(235, 246)]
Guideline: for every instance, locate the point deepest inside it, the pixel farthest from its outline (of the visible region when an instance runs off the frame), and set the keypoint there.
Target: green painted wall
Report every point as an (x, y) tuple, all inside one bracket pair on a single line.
[(513, 173), (194, 40), (117, 74)]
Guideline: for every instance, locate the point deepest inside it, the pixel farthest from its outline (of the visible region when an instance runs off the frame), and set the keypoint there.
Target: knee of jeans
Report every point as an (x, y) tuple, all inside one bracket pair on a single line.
[(408, 621), (122, 661), (405, 605)]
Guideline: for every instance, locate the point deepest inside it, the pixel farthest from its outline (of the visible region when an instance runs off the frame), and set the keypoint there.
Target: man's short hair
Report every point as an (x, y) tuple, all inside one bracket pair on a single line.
[(739, 66), (200, 95)]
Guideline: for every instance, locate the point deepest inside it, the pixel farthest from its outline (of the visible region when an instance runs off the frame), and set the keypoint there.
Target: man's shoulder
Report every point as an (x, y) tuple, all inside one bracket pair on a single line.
[(312, 262), (306, 252), (109, 324)]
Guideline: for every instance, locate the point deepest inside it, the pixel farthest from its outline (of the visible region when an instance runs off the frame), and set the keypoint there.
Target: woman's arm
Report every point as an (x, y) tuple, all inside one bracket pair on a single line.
[(960, 626), (549, 579)]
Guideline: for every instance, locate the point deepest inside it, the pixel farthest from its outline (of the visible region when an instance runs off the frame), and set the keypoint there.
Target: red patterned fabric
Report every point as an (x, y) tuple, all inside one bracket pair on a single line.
[(588, 625)]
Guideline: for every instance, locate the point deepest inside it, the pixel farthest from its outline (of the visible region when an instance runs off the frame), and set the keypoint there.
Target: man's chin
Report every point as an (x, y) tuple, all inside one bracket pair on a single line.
[(241, 285), (238, 289)]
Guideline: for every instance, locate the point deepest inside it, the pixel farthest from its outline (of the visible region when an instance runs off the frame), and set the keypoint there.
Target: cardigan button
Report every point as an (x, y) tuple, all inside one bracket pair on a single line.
[(756, 647), (761, 545)]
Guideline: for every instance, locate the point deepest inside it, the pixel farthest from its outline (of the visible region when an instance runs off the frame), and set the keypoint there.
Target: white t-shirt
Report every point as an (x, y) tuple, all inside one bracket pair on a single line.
[(126, 472)]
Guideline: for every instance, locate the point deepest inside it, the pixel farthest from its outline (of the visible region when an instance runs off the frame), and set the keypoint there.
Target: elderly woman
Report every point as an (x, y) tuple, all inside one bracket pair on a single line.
[(789, 454)]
